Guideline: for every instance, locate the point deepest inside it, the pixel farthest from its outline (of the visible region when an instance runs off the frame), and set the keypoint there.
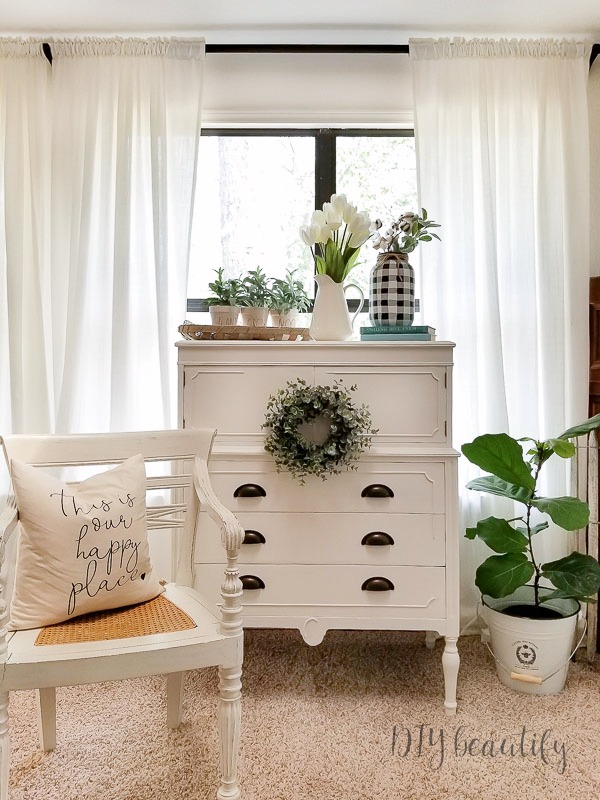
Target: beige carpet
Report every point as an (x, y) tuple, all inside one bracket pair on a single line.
[(318, 725)]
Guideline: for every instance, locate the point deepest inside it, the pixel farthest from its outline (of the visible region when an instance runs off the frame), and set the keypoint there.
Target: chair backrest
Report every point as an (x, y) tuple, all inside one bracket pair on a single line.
[(171, 459)]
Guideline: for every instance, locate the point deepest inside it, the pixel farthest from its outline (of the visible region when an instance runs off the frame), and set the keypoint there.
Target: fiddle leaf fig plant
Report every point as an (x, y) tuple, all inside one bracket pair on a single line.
[(514, 473)]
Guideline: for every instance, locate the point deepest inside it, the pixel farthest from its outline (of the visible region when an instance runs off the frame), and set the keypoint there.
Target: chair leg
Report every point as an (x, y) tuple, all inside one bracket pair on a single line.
[(230, 717), (4, 746), (174, 698), (46, 703)]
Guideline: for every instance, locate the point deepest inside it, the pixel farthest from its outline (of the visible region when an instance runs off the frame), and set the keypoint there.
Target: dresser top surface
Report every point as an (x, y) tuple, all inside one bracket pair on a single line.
[(252, 351), (310, 344)]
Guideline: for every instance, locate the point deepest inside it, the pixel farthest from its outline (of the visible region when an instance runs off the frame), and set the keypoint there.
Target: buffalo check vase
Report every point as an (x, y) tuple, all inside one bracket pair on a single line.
[(392, 290)]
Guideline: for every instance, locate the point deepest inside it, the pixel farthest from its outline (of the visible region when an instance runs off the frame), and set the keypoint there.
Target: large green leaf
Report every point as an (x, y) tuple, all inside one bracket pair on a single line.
[(562, 447), (590, 424), (350, 257), (567, 512), (541, 526), (501, 455), (576, 575), (499, 576), (335, 262), (493, 485), (498, 535)]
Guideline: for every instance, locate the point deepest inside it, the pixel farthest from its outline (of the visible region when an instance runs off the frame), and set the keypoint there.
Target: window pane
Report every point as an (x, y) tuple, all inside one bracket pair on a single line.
[(253, 194), (378, 175)]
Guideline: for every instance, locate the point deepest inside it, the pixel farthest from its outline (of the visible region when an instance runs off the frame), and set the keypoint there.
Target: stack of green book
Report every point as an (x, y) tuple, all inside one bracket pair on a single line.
[(397, 333)]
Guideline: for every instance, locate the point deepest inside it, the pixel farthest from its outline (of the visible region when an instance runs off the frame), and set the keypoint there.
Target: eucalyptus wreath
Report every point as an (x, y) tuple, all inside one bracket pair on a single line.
[(349, 429)]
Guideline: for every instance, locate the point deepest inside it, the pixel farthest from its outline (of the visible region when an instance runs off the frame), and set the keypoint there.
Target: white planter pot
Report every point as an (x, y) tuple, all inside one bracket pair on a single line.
[(254, 317), (224, 315), (286, 319), (531, 655), (291, 319)]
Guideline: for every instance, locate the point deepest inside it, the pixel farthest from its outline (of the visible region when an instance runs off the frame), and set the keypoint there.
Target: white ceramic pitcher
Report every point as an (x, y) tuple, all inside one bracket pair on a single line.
[(330, 318)]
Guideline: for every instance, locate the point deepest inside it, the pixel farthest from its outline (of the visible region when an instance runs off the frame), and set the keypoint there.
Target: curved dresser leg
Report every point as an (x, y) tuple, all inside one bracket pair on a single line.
[(450, 665), (313, 631)]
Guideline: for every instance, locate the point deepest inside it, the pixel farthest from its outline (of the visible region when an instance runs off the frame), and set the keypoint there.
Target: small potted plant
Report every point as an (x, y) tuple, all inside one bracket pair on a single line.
[(255, 297), (224, 304), (289, 299), (530, 607)]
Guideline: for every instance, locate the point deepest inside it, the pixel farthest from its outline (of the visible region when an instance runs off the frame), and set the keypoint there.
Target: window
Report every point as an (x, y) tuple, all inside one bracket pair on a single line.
[(257, 186)]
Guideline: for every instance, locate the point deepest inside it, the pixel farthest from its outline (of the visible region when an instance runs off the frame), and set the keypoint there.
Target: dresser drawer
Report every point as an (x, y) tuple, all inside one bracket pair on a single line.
[(233, 397), (417, 593), (416, 487), (326, 538), (406, 402)]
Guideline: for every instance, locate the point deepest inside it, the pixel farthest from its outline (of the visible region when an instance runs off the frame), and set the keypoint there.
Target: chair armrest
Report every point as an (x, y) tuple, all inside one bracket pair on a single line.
[(232, 533), (9, 516)]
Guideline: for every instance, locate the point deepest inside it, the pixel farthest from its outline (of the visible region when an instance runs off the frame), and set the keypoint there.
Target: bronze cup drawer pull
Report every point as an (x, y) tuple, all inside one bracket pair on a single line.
[(252, 582), (250, 490), (377, 539), (253, 537), (377, 585), (377, 490)]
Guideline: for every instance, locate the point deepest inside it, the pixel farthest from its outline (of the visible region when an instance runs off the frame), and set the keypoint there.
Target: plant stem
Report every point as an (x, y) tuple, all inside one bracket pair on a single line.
[(538, 572), (342, 244)]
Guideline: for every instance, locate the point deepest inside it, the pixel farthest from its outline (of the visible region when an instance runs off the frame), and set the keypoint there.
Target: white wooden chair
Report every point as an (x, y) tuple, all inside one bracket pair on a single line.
[(216, 639)]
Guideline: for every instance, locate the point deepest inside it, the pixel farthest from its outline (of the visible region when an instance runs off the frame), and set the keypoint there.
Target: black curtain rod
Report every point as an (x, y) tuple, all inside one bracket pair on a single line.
[(327, 48), (306, 48), (309, 48), (288, 48)]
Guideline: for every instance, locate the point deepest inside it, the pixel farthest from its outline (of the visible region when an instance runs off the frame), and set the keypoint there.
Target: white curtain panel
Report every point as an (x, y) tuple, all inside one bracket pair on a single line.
[(126, 126), (25, 332), (503, 161)]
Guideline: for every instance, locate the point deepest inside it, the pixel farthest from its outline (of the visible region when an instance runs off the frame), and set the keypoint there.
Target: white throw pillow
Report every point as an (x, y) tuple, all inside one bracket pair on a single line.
[(81, 548)]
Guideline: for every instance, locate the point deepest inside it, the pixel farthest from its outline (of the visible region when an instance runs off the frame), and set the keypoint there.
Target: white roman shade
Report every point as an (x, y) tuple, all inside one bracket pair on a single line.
[(307, 90)]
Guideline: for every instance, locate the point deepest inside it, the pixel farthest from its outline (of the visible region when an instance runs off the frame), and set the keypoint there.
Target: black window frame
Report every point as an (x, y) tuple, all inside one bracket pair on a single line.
[(325, 167)]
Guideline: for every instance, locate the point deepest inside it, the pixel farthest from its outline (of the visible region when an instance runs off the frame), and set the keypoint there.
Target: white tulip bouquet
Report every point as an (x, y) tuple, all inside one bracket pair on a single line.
[(335, 235)]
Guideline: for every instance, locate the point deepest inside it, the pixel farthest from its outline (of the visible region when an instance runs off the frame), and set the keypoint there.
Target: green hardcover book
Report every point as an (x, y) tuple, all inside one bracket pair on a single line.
[(372, 330), (398, 337)]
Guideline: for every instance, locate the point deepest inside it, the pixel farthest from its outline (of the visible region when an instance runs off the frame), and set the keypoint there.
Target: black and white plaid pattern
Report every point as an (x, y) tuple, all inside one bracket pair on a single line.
[(392, 291)]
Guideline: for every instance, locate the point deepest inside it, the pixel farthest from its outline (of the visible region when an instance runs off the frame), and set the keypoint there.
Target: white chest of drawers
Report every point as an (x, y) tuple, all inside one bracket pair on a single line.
[(375, 548)]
